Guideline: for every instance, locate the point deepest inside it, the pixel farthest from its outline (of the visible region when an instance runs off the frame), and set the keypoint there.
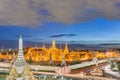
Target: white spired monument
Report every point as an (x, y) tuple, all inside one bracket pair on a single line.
[(20, 69)]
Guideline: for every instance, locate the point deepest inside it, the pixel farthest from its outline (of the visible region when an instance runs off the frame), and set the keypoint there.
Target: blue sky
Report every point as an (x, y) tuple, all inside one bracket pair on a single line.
[(77, 21), (97, 30)]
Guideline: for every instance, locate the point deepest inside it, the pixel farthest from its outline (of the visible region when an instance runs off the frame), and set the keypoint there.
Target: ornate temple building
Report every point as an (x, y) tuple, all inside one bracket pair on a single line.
[(54, 53), (20, 69)]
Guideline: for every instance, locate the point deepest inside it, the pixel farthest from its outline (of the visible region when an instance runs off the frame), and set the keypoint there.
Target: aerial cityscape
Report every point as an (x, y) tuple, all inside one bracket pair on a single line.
[(59, 40)]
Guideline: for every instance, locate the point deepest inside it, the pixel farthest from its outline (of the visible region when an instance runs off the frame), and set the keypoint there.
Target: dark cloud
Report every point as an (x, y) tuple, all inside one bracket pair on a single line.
[(36, 12), (62, 35)]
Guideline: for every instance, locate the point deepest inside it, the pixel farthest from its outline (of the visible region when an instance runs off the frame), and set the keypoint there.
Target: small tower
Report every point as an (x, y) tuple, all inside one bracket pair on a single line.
[(53, 44), (66, 51), (43, 47)]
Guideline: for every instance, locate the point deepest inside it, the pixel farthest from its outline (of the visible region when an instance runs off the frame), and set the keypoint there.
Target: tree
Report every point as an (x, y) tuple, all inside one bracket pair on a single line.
[(112, 65), (118, 66)]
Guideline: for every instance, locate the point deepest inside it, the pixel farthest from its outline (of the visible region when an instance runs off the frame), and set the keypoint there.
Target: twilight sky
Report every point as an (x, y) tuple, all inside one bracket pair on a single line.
[(77, 21)]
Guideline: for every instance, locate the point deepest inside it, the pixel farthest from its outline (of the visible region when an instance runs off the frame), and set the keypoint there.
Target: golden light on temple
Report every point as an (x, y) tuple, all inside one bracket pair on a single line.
[(112, 54), (43, 54), (6, 56), (101, 55)]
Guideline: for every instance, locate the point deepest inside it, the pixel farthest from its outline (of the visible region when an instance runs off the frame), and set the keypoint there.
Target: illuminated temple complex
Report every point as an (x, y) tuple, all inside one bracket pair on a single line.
[(44, 54), (56, 54)]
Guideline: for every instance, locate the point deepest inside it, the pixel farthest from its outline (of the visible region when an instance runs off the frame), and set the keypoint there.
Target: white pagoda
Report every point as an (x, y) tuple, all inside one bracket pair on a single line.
[(20, 69)]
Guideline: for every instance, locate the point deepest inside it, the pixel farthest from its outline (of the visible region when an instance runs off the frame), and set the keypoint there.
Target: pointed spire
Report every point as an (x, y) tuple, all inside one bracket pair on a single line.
[(53, 44), (20, 57), (20, 69), (43, 46), (66, 48), (20, 43)]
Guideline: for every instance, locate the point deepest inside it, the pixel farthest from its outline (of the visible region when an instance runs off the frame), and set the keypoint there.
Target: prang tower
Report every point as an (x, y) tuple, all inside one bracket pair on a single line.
[(20, 69)]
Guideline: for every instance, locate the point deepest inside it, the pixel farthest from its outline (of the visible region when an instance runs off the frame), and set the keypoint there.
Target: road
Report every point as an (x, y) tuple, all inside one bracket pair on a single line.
[(80, 76), (53, 68)]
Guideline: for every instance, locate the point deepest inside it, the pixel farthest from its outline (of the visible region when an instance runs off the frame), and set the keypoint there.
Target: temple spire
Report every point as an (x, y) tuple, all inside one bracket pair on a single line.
[(53, 44), (43, 46), (66, 48), (20, 43), (20, 57), (20, 69)]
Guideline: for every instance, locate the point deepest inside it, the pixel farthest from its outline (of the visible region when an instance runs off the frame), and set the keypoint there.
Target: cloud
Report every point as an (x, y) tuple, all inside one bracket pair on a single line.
[(62, 35), (36, 12)]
